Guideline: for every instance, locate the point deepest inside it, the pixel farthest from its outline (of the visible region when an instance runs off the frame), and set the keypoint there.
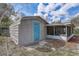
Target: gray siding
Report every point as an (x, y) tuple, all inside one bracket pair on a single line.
[(25, 32), (43, 30)]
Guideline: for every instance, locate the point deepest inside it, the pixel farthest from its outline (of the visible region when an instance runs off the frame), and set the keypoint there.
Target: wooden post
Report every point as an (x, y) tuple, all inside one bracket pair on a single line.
[(71, 30), (54, 29), (66, 30)]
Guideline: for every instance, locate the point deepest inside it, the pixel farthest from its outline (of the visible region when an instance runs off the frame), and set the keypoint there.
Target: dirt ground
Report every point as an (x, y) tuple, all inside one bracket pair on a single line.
[(8, 48)]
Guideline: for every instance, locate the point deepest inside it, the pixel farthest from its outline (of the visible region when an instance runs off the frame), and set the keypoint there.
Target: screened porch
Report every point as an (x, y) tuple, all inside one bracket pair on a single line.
[(64, 30)]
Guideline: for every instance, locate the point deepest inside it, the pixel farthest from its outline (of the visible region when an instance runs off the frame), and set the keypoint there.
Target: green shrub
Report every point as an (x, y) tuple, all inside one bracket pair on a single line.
[(76, 31)]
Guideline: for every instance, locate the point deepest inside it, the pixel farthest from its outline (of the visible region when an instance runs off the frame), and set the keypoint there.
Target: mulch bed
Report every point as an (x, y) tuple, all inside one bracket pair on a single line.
[(71, 44), (56, 43)]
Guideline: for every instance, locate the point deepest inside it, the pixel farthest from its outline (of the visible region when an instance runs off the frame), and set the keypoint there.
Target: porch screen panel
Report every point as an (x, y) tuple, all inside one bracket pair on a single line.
[(59, 30), (50, 30)]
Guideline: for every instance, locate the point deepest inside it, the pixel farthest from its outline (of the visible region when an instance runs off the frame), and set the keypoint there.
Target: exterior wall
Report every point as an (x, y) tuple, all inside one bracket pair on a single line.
[(43, 30), (26, 31), (57, 37)]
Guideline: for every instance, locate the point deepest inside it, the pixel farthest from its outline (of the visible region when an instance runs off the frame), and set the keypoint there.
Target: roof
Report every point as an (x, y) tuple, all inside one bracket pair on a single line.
[(34, 17), (60, 24)]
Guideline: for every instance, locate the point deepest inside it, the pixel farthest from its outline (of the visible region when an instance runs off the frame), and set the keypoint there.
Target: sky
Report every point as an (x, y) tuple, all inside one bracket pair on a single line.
[(49, 11)]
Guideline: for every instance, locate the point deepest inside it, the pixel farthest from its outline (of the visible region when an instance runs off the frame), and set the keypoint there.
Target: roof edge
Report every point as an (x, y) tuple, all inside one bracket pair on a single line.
[(36, 17)]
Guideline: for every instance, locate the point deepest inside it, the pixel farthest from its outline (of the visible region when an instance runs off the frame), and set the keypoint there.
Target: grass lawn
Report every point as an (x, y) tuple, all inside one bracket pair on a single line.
[(7, 47)]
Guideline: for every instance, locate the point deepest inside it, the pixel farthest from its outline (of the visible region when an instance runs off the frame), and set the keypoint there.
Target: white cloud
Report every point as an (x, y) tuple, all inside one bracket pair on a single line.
[(50, 8), (41, 7), (38, 14), (35, 14), (58, 13), (67, 6), (46, 16), (55, 19)]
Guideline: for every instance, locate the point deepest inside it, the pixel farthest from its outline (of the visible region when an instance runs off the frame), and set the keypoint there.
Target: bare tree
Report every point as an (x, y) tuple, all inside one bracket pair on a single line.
[(5, 10)]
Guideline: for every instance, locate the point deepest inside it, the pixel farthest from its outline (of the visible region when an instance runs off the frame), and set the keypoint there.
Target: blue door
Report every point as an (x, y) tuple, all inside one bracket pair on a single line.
[(36, 29)]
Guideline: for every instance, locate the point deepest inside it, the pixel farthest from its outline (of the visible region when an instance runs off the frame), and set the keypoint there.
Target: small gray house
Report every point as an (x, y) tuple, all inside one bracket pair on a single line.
[(32, 29), (28, 29)]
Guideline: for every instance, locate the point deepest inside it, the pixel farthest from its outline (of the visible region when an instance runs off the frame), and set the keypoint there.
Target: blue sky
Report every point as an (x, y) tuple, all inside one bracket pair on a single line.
[(73, 10), (29, 9)]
